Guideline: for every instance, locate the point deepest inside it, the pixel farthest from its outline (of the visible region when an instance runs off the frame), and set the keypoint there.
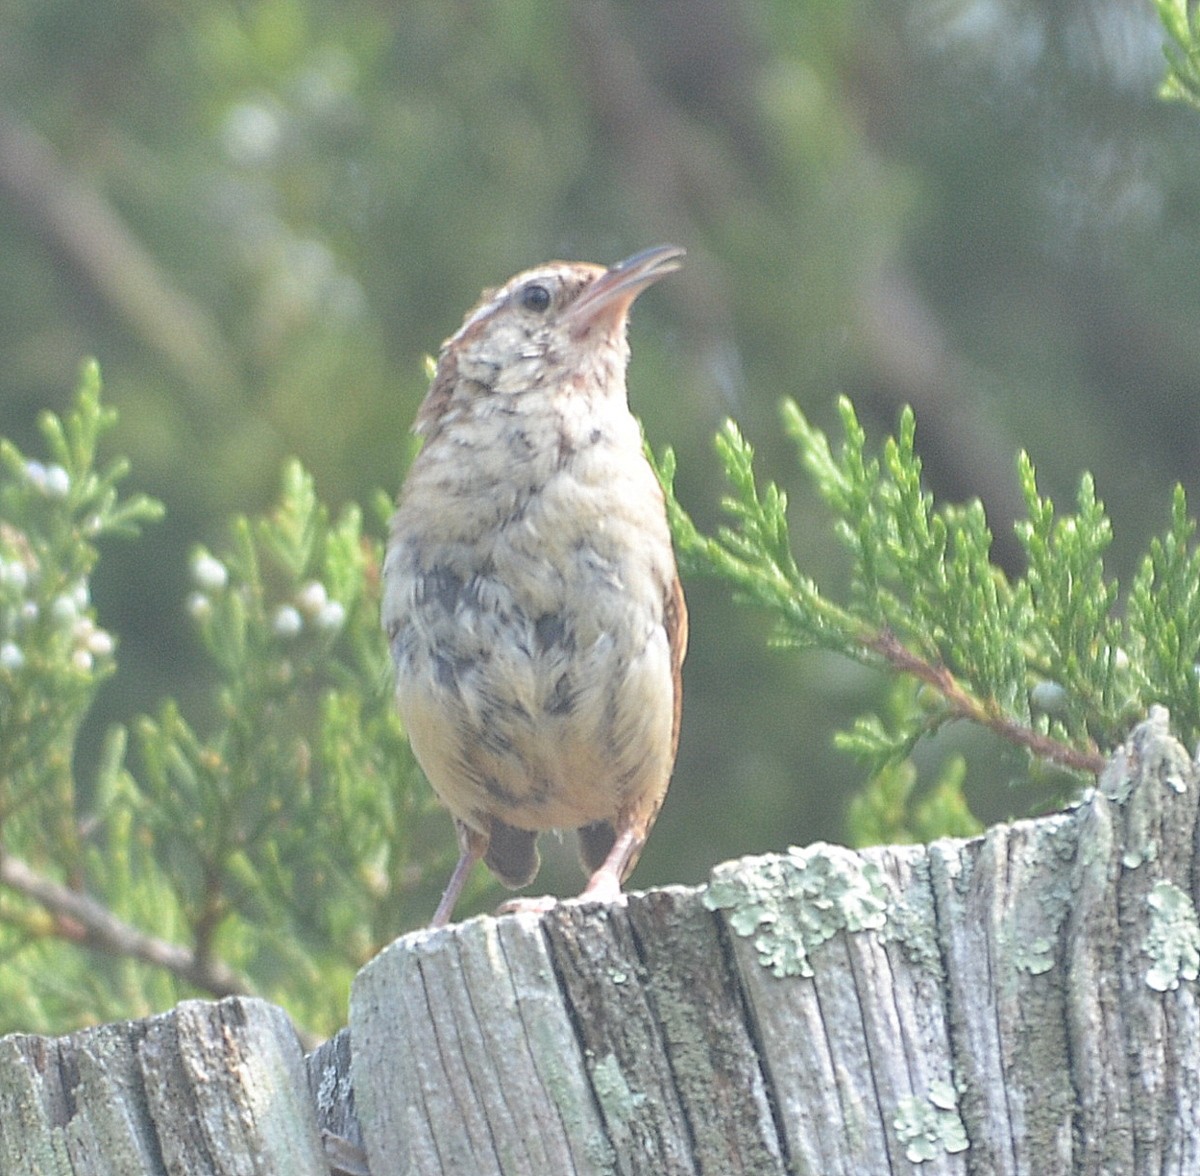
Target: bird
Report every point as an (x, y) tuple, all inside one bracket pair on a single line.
[(531, 599)]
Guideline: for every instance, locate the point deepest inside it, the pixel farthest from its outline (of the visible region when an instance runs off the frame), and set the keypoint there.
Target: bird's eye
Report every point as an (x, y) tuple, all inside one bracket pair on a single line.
[(535, 298)]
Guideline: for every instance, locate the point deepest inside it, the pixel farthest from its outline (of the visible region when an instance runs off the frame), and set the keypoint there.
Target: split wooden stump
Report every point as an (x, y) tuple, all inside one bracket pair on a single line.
[(1022, 1002)]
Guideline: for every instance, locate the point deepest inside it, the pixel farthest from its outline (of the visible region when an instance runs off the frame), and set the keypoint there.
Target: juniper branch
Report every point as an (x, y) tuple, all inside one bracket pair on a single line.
[(80, 918), (964, 705)]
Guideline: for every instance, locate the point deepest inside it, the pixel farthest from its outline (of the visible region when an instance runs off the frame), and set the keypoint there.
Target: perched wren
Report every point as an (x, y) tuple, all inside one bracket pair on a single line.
[(530, 594)]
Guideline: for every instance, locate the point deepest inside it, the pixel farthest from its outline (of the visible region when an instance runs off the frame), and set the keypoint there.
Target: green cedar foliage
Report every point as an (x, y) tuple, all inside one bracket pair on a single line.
[(275, 842), (1183, 52), (1049, 660), (272, 846)]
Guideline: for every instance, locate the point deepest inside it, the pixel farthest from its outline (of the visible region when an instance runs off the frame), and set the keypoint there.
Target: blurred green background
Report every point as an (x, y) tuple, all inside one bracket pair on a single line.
[(260, 216)]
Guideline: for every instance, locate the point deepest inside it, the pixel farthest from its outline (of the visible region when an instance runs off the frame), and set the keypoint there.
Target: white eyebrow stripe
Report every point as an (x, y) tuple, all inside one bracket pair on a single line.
[(548, 274), (481, 311)]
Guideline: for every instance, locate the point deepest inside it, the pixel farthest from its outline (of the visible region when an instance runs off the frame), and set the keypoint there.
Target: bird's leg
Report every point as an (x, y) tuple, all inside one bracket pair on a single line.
[(472, 846), (605, 883)]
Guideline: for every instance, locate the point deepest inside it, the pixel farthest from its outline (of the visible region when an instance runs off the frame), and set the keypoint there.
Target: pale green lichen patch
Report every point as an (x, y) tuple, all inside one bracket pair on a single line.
[(1116, 781), (1033, 923), (792, 903), (912, 922), (1034, 956), (1139, 855), (561, 1081), (1159, 757), (618, 1101), (931, 1125), (1173, 940)]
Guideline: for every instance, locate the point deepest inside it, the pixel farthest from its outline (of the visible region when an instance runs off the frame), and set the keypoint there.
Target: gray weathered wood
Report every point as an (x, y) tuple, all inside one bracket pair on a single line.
[(1023, 1002), (337, 1114), (484, 1058), (205, 1089)]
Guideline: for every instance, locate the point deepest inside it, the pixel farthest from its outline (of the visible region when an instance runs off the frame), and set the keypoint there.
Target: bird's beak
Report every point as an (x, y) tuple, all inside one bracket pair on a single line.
[(610, 296)]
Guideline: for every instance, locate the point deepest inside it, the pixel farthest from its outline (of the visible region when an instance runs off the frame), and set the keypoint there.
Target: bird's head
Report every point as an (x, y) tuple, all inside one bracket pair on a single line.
[(559, 322)]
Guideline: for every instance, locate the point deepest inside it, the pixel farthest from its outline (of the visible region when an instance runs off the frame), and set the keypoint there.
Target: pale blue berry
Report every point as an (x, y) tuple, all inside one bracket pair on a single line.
[(209, 573), (287, 621), (331, 617)]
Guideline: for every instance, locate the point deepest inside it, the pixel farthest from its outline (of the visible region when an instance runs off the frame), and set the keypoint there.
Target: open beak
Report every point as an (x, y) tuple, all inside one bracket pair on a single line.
[(610, 296)]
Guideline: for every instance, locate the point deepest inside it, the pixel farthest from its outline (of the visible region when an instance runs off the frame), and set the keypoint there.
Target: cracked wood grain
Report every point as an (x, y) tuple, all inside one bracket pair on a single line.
[(1023, 1002)]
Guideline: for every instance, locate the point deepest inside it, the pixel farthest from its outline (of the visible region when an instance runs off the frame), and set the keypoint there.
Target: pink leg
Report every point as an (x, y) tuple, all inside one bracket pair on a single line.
[(605, 884), (472, 846)]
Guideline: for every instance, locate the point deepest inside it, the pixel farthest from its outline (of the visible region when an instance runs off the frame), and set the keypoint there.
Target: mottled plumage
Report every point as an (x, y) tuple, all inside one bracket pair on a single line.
[(530, 592)]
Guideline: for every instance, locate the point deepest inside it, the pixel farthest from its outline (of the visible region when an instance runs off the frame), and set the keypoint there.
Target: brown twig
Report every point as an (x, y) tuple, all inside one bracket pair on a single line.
[(82, 919), (966, 706), (86, 229)]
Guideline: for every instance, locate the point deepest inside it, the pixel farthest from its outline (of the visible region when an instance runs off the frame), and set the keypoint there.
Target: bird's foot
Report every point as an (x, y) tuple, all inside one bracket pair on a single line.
[(538, 905), (603, 887)]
